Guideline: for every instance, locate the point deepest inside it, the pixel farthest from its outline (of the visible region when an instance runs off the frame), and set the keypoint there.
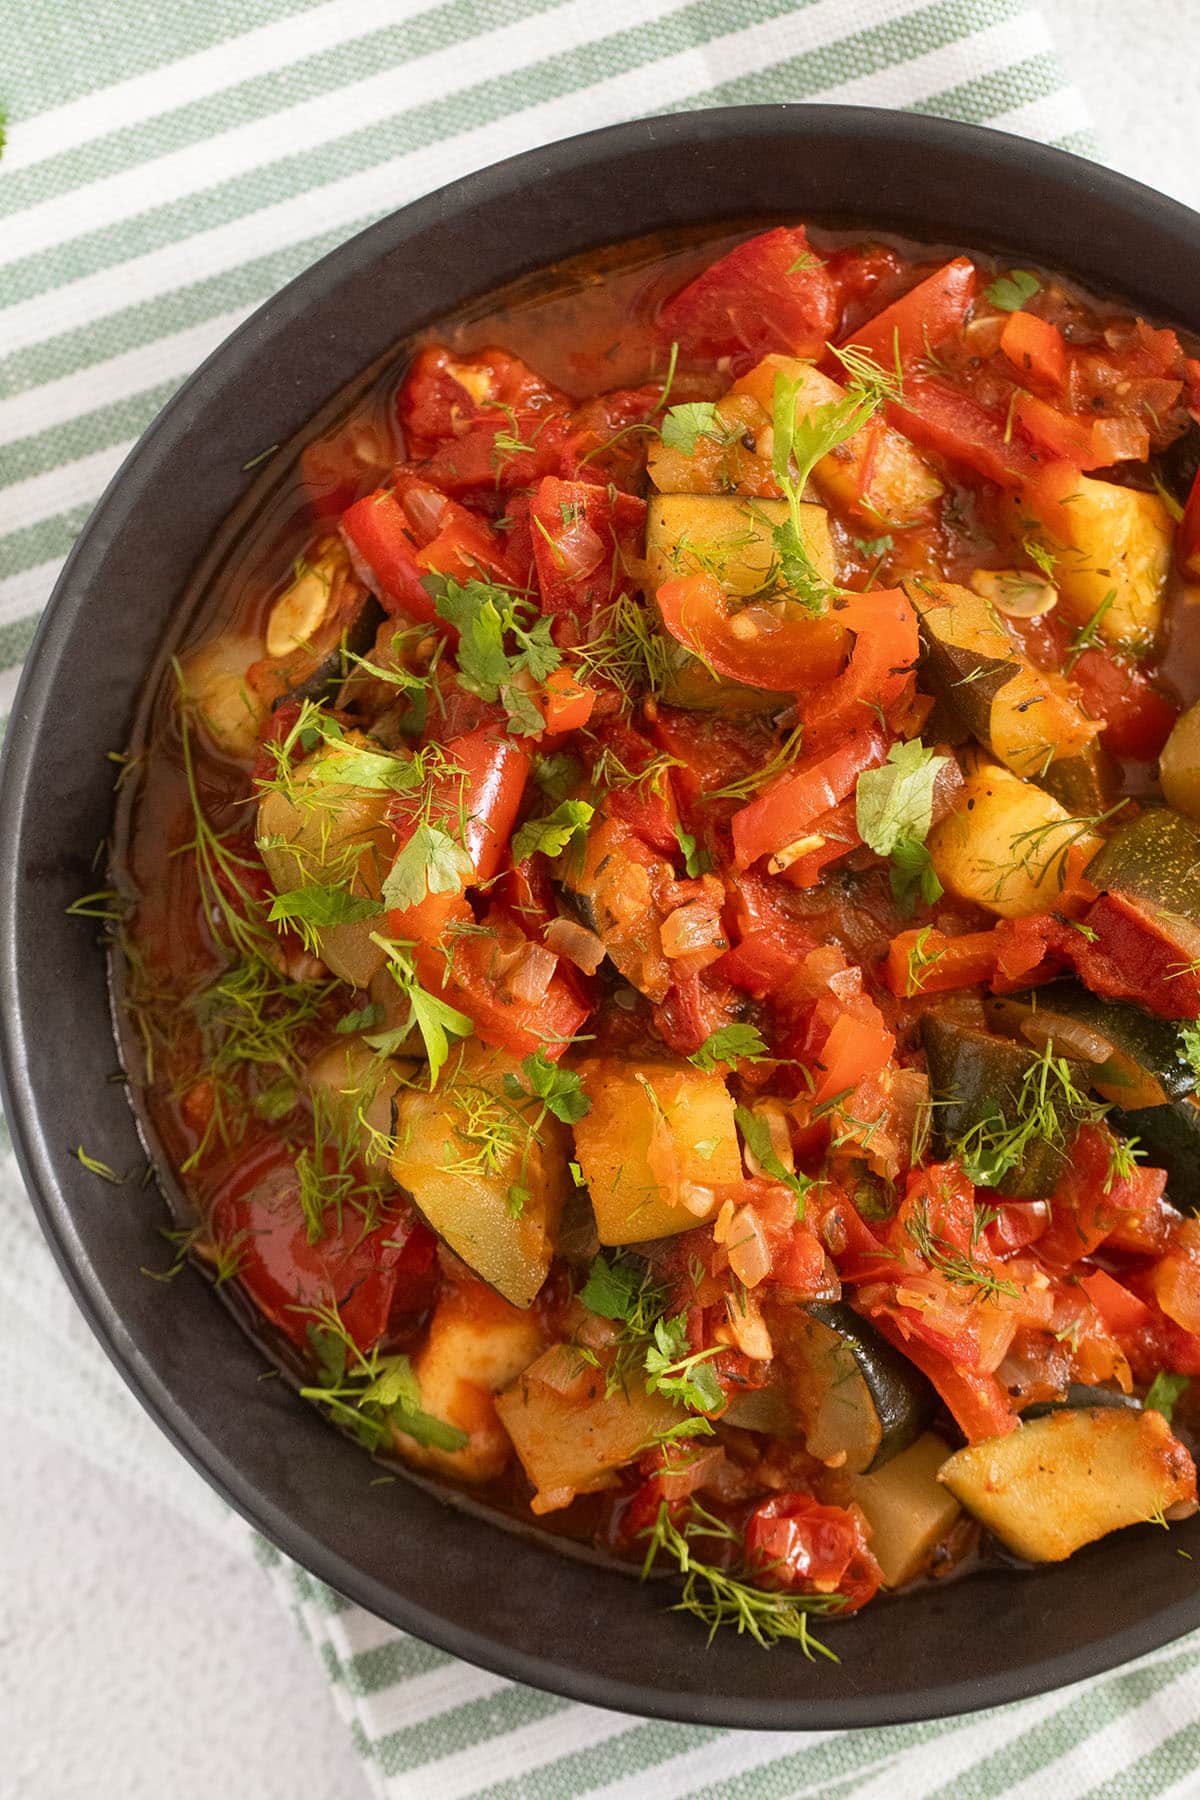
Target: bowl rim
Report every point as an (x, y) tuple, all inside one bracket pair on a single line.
[(946, 1695)]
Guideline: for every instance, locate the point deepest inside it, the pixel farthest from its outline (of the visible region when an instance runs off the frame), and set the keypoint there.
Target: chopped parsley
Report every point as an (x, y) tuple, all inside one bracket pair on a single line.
[(1008, 293)]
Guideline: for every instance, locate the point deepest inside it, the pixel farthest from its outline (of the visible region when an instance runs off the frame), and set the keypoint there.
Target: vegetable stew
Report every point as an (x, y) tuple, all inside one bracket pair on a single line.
[(659, 914)]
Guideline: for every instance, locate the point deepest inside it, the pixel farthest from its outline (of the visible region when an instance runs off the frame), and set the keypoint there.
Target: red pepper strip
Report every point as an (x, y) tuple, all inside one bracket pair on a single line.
[(383, 549), (1119, 1310), (939, 417), (469, 970), (477, 801), (929, 962), (1035, 347), (839, 828), (858, 1045), (978, 1403), (1016, 1225), (921, 319), (567, 704), (1187, 538), (769, 294), (813, 786), (1057, 435), (786, 658), (879, 673)]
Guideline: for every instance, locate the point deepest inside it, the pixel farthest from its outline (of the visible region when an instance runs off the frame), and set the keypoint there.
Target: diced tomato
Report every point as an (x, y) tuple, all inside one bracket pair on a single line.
[(443, 395), (609, 436), (979, 1405), (921, 319), (697, 1003), (637, 794), (567, 704), (711, 752), (765, 958), (369, 1277), (787, 809), (838, 830), (473, 971), (585, 541), (1137, 715), (799, 1262), (1173, 1281), (1016, 1224), (1054, 433), (787, 658), (771, 293), (861, 274), (797, 1546), (1091, 1198), (1119, 1310), (1035, 347)]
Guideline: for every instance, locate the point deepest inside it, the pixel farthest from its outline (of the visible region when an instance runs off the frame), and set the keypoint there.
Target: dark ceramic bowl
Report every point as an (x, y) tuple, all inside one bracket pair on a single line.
[(507, 1601)]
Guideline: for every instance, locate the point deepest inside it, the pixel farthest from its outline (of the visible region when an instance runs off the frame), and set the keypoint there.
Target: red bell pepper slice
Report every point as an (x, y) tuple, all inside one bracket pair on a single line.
[(644, 802), (769, 294), (930, 962), (392, 554), (940, 417), (858, 1045), (839, 829), (786, 659), (1035, 347), (566, 704), (788, 808), (1057, 435), (1132, 954), (1119, 1310), (879, 673), (1187, 538), (921, 319)]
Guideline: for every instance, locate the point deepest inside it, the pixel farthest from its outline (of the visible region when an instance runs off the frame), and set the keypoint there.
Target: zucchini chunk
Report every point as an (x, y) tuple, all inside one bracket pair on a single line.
[(1116, 541), (1005, 845), (361, 1086), (1025, 718), (475, 1346), (570, 1433), (857, 1401), (477, 1172), (1154, 857), (976, 1078), (908, 1509), (1170, 1139), (325, 832), (1130, 1056), (1060, 1482), (323, 617), (687, 683), (656, 1148), (876, 476), (613, 893), (1079, 1398), (728, 536), (1179, 764)]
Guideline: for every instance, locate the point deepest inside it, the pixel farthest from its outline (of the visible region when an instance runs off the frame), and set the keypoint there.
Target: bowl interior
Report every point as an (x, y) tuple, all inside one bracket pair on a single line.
[(398, 1549)]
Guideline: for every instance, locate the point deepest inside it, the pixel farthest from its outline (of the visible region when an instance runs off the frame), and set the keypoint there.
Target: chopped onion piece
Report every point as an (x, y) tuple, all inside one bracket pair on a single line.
[(749, 1252), (532, 975), (691, 929), (1015, 592), (696, 1198), (566, 937), (746, 1327)]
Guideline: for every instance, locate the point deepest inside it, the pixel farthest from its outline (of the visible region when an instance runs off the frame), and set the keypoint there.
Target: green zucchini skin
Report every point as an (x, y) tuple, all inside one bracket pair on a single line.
[(903, 1400), (1156, 857), (1142, 1042), (960, 679), (1170, 1139), (1079, 1398), (975, 1076), (1084, 784)]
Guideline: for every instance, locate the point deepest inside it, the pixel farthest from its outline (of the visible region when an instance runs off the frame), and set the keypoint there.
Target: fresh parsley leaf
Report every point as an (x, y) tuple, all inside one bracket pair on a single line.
[(364, 1019), (623, 1291), (683, 425), (756, 1135), (559, 1090), (485, 615), (877, 546), (431, 862), (1190, 1036), (435, 1019), (913, 875), (557, 773), (726, 1046), (1008, 293), (696, 862), (315, 908), (686, 1378), (896, 801), (1164, 1392), (567, 824), (354, 767), (276, 1102)]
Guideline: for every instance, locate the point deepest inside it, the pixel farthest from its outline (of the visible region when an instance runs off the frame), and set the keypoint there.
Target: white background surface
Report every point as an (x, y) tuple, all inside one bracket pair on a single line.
[(140, 1659)]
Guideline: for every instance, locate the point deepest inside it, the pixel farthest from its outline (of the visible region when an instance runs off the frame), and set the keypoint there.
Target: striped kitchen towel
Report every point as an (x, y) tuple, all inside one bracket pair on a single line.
[(167, 169)]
